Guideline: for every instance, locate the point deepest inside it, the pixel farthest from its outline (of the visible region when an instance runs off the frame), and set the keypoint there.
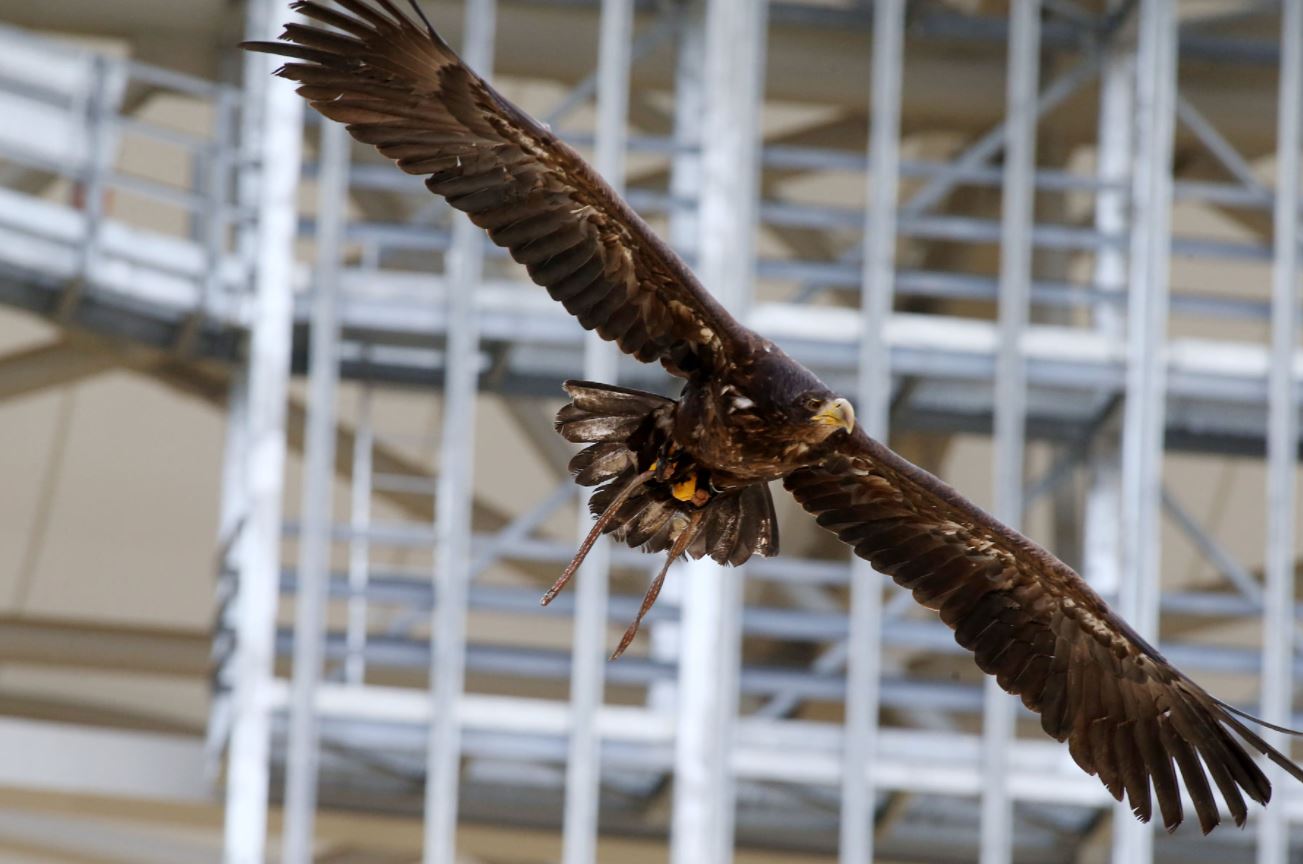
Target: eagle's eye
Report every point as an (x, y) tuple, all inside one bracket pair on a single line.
[(813, 403)]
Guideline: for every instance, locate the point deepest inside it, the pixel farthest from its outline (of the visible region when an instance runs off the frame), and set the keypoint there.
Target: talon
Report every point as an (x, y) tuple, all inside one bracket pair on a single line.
[(680, 546), (602, 521), (685, 490)]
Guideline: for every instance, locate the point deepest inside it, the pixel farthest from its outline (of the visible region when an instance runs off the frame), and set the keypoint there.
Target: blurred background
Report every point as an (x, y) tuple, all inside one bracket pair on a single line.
[(1050, 247)]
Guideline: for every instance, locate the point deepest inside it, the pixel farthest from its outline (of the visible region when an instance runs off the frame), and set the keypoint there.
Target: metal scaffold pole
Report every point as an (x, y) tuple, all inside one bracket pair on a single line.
[(1011, 388), (583, 763), (316, 510), (279, 127), (703, 809), (452, 562), (1101, 552), (864, 638), (1279, 622), (1144, 414), (359, 547), (665, 636)]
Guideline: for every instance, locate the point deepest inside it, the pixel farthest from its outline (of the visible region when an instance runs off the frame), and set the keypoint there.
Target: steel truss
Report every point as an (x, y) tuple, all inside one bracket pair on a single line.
[(859, 747)]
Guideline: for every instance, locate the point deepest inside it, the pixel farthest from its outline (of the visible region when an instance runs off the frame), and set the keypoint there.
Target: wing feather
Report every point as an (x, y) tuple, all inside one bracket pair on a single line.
[(398, 86), (1126, 713)]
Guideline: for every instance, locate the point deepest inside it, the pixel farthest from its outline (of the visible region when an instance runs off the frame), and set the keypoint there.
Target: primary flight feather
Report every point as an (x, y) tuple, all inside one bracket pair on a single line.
[(691, 475)]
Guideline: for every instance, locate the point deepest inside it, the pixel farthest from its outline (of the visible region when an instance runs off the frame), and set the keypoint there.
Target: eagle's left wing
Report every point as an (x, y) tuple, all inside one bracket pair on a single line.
[(1032, 622), (399, 87)]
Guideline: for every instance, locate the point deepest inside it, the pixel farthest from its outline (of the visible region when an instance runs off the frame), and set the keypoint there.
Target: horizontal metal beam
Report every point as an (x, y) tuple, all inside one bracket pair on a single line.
[(788, 624), (802, 752)]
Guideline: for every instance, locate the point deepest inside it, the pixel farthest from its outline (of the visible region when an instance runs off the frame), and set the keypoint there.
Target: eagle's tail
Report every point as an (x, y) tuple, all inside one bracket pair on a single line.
[(651, 496)]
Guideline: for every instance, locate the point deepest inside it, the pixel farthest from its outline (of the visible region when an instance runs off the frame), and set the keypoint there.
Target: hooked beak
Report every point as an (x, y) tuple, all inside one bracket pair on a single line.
[(837, 412)]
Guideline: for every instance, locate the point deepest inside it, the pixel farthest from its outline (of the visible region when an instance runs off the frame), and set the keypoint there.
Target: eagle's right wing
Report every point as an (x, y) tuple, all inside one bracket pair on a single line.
[(1032, 622), (400, 87)]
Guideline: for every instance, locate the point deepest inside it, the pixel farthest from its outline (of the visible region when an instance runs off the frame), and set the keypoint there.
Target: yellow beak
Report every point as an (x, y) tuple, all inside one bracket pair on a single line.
[(837, 412)]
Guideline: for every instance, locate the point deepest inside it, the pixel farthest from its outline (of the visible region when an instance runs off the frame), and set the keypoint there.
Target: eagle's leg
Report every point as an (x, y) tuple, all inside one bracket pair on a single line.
[(605, 519), (681, 543), (652, 494)]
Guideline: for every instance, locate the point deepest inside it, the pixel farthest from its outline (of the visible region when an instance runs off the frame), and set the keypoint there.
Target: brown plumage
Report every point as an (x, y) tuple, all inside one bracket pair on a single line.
[(1032, 622), (690, 475)]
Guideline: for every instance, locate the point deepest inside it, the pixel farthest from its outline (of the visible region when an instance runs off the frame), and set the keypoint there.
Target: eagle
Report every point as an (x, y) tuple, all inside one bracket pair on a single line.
[(690, 476)]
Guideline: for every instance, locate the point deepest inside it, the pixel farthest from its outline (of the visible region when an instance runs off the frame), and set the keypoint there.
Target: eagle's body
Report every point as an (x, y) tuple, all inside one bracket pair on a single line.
[(753, 426), (690, 475), (710, 454)]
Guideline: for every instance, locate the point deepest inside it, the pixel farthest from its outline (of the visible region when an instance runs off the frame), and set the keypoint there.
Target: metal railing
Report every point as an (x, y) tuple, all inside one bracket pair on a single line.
[(76, 121), (392, 323)]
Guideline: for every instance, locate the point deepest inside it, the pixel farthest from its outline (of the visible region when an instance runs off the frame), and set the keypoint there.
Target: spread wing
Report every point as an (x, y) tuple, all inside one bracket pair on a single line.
[(397, 85), (1127, 714)]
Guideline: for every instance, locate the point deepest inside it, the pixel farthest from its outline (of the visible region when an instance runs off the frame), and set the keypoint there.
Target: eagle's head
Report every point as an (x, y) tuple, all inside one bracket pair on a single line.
[(782, 400), (828, 413)]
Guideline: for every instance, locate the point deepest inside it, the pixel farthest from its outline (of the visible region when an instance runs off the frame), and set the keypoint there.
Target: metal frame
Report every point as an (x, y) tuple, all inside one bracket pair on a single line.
[(864, 638), (732, 80), (588, 660), (1147, 314), (1017, 219), (443, 321), (453, 510), (1279, 624), (276, 125), (317, 510)]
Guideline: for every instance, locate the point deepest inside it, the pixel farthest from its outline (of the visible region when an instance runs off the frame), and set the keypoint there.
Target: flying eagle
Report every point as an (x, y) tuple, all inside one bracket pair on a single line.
[(691, 475)]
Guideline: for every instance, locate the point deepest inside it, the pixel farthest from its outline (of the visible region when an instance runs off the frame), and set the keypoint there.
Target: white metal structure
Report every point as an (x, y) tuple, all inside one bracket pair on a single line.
[(781, 722)]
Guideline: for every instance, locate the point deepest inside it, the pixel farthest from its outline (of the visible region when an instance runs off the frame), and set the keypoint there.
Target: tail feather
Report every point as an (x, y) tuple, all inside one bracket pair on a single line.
[(603, 412), (738, 524), (600, 462), (592, 398), (735, 525)]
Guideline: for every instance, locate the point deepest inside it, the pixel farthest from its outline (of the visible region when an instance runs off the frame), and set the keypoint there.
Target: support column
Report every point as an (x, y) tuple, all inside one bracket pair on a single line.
[(702, 819), (452, 559), (1144, 416), (279, 133), (588, 652), (1101, 550), (316, 510), (359, 544), (1011, 387), (665, 637), (1282, 435), (864, 639)]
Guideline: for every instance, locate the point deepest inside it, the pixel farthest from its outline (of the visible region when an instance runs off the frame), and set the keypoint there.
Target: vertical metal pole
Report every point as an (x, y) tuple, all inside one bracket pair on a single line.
[(702, 818), (318, 484), (665, 637), (1101, 550), (98, 163), (281, 138), (588, 652), (1144, 416), (216, 182), (1282, 432), (689, 108), (1116, 120), (235, 472), (230, 537), (259, 21), (864, 639), (453, 519), (359, 545), (1011, 386)]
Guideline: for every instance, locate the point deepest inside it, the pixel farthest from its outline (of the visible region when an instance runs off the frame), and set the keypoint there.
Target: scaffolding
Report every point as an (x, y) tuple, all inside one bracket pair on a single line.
[(1078, 343)]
